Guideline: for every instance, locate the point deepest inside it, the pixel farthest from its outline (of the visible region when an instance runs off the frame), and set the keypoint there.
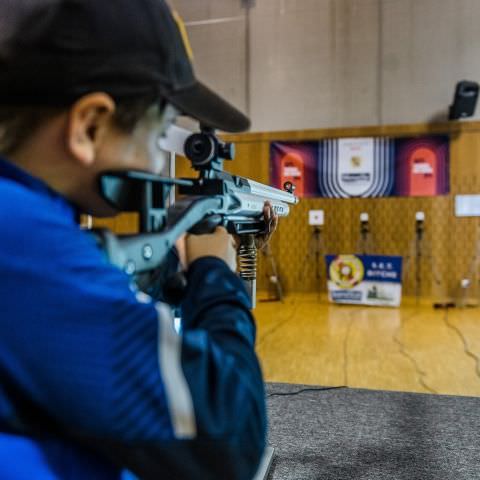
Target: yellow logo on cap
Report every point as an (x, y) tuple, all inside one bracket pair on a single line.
[(183, 32)]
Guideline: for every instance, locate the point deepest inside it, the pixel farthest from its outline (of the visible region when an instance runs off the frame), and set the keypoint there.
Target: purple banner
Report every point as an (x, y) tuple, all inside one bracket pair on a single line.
[(363, 167)]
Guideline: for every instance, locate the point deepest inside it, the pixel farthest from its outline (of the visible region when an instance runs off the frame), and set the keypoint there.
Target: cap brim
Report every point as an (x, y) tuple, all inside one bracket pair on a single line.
[(201, 103)]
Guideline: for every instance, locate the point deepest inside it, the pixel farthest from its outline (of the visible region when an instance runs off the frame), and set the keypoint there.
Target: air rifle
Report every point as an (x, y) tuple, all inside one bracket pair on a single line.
[(214, 198)]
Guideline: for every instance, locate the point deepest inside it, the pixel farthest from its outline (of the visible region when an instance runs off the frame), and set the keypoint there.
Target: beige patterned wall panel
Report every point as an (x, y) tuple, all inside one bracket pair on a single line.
[(449, 244)]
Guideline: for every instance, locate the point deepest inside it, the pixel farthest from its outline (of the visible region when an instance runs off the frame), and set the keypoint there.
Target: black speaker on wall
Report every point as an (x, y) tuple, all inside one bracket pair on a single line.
[(464, 101)]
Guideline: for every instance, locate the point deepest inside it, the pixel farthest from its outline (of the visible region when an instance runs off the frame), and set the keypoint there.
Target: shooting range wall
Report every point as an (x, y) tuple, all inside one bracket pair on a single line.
[(453, 241), (297, 64)]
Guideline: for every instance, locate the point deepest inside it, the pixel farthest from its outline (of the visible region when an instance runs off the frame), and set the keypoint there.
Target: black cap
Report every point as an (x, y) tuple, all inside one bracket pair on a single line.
[(64, 49)]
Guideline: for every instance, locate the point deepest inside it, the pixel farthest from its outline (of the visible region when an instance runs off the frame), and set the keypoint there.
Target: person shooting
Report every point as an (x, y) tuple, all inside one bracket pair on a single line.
[(94, 378)]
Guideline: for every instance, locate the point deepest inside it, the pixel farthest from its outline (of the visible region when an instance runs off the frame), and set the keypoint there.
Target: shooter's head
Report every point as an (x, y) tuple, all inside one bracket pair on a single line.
[(89, 85)]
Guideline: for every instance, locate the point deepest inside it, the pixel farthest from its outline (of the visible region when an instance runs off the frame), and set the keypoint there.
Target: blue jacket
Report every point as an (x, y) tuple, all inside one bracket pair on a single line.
[(94, 378)]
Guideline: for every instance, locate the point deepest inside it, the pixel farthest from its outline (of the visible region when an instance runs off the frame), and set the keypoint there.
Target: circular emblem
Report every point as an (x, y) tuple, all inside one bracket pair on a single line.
[(346, 271)]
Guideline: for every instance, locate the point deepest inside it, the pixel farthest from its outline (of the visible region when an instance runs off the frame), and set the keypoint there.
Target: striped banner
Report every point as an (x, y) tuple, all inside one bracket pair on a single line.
[(356, 167), (363, 167)]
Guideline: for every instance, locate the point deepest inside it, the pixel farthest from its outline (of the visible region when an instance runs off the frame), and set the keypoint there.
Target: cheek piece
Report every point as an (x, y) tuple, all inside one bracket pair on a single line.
[(158, 157)]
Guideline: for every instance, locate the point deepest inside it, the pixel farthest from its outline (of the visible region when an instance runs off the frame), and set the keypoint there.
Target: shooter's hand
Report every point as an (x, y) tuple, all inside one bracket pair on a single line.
[(271, 221), (218, 244)]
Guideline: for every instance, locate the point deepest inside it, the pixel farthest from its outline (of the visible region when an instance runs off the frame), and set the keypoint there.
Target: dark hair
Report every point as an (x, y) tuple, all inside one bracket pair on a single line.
[(17, 124)]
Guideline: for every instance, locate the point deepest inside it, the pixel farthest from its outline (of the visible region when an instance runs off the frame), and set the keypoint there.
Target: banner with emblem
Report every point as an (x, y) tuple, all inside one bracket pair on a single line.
[(365, 279), (363, 167)]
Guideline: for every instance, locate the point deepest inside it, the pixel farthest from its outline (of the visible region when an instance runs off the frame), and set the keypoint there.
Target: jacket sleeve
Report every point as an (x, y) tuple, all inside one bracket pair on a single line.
[(107, 365), (216, 403)]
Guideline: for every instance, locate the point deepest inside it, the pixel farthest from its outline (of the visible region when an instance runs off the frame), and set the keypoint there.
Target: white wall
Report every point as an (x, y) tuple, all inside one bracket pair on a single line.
[(428, 45), (299, 64)]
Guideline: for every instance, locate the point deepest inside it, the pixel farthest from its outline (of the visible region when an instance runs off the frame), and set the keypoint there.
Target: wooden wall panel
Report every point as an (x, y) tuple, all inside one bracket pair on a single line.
[(450, 243), (124, 223)]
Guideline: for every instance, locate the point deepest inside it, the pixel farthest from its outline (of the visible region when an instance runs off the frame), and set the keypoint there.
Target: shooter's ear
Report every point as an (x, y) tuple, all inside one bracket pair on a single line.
[(88, 121)]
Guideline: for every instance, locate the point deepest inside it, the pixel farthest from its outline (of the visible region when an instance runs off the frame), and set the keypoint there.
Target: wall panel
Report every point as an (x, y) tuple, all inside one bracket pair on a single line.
[(357, 81), (427, 47), (195, 11), (219, 58), (335, 63), (450, 243), (291, 74)]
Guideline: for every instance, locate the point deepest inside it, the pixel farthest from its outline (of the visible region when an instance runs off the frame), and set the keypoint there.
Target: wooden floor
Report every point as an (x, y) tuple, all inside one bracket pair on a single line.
[(416, 349)]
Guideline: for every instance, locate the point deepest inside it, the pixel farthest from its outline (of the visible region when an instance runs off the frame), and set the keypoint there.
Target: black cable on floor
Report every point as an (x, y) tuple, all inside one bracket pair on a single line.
[(320, 389)]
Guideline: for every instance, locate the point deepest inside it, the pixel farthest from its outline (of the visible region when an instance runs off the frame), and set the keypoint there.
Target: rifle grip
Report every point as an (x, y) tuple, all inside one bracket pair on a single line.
[(207, 225)]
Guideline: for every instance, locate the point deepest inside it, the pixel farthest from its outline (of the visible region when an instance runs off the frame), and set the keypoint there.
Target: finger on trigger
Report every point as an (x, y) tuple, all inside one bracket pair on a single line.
[(267, 211)]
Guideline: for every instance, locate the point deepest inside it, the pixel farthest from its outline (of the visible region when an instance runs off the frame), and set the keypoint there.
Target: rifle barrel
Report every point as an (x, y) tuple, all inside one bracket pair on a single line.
[(272, 193)]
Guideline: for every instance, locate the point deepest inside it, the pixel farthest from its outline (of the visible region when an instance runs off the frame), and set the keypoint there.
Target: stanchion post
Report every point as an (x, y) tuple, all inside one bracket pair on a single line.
[(316, 220), (419, 230), (364, 232)]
